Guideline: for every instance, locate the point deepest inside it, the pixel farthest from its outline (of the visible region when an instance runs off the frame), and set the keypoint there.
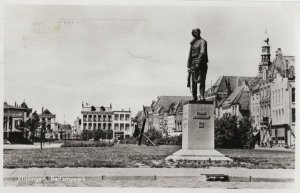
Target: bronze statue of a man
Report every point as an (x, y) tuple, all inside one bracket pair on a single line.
[(197, 64)]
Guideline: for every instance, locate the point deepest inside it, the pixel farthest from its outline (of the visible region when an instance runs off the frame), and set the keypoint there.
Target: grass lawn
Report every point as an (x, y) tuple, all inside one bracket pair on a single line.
[(120, 155), (126, 155)]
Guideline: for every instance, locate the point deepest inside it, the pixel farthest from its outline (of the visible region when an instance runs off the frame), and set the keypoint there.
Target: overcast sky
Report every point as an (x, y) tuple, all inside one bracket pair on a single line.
[(58, 56)]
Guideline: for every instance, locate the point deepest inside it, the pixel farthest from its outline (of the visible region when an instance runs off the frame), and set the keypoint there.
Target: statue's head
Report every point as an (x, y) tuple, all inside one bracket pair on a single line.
[(196, 33)]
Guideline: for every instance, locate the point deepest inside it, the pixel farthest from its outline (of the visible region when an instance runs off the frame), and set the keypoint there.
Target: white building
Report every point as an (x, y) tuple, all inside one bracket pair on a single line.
[(237, 103), (13, 116), (50, 120), (283, 111), (105, 118), (255, 107), (94, 118), (122, 124)]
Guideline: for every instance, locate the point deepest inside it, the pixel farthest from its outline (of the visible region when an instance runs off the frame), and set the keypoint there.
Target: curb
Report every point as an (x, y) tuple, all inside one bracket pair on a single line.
[(202, 177)]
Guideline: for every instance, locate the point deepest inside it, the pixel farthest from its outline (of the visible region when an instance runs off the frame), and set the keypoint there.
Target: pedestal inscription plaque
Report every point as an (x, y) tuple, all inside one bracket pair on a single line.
[(198, 133), (198, 125)]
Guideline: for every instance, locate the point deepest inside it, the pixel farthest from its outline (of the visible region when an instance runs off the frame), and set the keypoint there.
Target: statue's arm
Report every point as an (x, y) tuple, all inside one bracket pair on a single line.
[(189, 60), (203, 50)]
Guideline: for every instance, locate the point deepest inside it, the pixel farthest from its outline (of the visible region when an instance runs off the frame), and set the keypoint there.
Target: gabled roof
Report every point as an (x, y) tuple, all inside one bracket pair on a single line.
[(179, 106), (46, 112), (280, 64), (235, 81), (240, 96), (24, 105), (172, 108), (233, 97), (139, 114), (7, 106), (221, 102), (165, 101), (254, 83)]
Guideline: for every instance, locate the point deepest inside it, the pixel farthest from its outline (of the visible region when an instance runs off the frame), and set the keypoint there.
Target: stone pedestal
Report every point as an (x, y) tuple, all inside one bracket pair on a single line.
[(198, 133)]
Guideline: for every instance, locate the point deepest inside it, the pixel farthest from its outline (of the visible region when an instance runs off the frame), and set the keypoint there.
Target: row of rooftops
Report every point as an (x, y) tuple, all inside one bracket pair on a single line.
[(91, 108), (24, 107), (164, 104), (236, 87)]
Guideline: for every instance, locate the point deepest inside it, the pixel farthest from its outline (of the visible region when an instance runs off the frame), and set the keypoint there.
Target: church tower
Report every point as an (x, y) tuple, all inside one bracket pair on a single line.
[(265, 57)]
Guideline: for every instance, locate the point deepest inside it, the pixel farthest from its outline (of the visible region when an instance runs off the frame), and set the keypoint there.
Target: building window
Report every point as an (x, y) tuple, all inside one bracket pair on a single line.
[(109, 126), (109, 118), (99, 125), (126, 127), (90, 117), (84, 125), (99, 118), (122, 117), (293, 95), (127, 117), (280, 116), (279, 96), (265, 90), (122, 126), (293, 115), (117, 126), (282, 95), (16, 123), (104, 117), (116, 117), (95, 117), (84, 118)]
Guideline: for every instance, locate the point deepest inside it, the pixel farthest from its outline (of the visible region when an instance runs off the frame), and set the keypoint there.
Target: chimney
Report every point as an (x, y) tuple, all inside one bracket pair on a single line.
[(15, 103), (82, 105), (42, 109), (110, 105)]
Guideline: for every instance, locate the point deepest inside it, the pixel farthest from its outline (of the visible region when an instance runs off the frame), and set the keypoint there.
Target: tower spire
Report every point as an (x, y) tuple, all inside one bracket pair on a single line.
[(265, 55)]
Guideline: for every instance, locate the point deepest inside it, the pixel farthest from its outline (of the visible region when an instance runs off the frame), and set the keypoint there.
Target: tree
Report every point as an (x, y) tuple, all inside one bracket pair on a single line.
[(226, 131), (97, 134), (31, 125), (245, 132), (109, 134), (21, 126), (154, 135)]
